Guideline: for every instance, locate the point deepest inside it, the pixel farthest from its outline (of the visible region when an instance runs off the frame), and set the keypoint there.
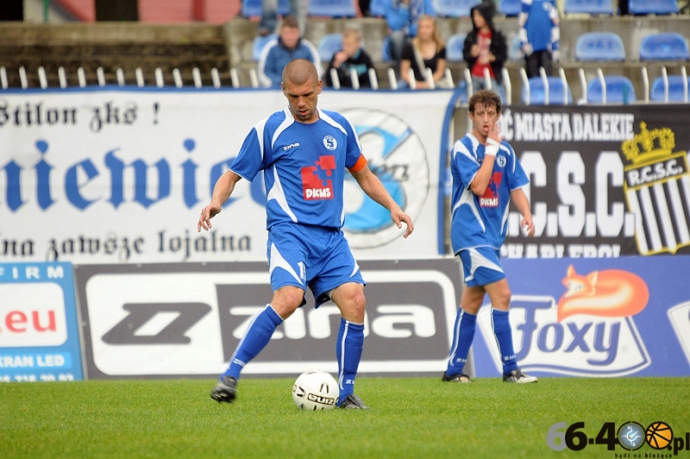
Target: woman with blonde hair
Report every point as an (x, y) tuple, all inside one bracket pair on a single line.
[(426, 50)]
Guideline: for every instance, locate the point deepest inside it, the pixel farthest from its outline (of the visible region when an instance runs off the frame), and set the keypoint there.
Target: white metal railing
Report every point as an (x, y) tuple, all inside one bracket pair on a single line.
[(566, 88), (44, 81), (526, 89)]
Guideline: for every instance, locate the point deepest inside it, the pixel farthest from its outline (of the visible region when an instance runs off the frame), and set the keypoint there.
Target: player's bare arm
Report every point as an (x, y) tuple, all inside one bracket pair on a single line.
[(519, 198), (373, 187), (221, 192)]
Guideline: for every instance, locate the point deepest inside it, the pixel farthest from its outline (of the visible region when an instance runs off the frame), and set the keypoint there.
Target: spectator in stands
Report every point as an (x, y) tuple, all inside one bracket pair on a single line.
[(426, 50), (277, 53), (363, 6), (539, 35), (623, 7), (485, 47), (352, 56), (402, 17), (269, 15)]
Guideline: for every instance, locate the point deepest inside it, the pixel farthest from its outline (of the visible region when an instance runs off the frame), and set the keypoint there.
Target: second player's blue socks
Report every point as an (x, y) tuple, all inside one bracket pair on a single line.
[(348, 351), (257, 337), (465, 326), (504, 338)]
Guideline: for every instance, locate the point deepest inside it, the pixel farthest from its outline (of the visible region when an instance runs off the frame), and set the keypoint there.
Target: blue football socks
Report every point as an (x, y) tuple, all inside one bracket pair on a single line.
[(504, 339), (465, 326), (257, 337), (348, 351)]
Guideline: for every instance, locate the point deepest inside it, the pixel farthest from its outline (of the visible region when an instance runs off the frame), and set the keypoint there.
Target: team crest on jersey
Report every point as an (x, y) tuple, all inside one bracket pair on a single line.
[(501, 161), (316, 182), (330, 143), (490, 197)]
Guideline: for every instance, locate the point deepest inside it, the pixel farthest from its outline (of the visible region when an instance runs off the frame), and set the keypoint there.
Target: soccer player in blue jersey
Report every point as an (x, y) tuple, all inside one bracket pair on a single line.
[(486, 177), (304, 152)]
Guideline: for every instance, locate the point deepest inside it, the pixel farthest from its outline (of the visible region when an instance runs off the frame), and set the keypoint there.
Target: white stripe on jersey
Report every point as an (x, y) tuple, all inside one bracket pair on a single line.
[(480, 261), (259, 127), (276, 192), (461, 148), (504, 223), (467, 197), (331, 121), (278, 261), (287, 122)]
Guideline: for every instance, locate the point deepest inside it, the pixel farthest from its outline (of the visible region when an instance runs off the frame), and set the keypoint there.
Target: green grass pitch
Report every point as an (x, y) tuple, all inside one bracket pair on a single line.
[(410, 417)]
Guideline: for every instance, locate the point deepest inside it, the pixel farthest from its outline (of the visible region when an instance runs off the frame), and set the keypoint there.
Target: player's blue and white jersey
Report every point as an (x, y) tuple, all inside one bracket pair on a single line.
[(482, 220), (304, 166)]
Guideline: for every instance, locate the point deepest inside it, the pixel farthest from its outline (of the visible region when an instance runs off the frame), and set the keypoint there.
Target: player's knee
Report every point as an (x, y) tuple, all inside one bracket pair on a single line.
[(286, 300), (354, 307), (359, 301), (504, 298)]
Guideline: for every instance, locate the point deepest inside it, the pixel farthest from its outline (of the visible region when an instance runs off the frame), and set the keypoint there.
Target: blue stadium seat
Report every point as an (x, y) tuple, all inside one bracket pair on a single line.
[(537, 96), (463, 92), (259, 43), (462, 85), (454, 8), (377, 8), (619, 89), (385, 50), (675, 89), (329, 45), (664, 46), (332, 8), (514, 51), (454, 47), (510, 8), (593, 7), (599, 46), (641, 7), (253, 8)]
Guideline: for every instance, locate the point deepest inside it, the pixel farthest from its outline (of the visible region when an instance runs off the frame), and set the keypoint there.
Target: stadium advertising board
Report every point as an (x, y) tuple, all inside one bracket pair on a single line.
[(39, 336), (185, 319), (110, 175), (595, 317), (605, 182)]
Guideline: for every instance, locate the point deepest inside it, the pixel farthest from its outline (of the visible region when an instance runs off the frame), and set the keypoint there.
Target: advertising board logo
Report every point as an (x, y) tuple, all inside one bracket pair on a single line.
[(657, 189), (191, 323), (397, 156), (588, 332), (32, 315)]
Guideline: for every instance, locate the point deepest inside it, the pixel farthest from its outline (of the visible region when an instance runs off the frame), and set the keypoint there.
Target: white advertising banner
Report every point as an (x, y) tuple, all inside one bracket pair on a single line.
[(186, 319), (120, 175)]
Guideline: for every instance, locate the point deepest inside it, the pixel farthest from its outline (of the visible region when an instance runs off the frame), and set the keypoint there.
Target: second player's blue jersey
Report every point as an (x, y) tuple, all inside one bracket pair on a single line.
[(482, 220), (304, 166)]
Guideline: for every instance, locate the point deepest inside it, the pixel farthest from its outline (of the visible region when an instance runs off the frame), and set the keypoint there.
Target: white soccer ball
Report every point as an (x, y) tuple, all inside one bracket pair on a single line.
[(315, 390)]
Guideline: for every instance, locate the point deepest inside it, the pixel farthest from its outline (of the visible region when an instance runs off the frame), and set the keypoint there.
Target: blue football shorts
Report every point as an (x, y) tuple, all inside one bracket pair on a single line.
[(319, 258), (481, 266)]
